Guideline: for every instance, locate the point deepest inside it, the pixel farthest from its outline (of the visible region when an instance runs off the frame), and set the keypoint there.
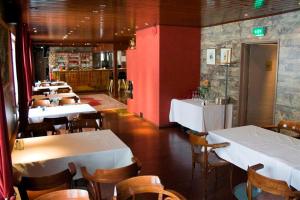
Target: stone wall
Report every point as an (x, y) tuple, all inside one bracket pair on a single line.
[(284, 29)]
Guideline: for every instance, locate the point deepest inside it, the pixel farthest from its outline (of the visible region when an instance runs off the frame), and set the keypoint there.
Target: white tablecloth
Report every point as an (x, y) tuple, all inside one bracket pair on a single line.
[(36, 115), (55, 96), (191, 114), (250, 145), (51, 154), (52, 88)]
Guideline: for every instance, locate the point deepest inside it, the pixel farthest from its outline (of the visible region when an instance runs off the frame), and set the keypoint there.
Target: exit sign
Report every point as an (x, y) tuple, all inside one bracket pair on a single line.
[(259, 3), (259, 31)]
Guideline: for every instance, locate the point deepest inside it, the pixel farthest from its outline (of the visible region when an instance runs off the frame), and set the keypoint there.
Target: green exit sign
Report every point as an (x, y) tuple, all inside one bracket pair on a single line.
[(259, 31), (258, 4)]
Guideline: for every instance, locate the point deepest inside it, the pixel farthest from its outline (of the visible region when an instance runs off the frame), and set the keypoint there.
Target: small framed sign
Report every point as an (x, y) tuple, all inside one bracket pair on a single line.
[(225, 56), (211, 56)]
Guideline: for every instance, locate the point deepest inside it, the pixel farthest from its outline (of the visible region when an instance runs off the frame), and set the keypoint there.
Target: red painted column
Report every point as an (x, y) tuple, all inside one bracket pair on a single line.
[(164, 65)]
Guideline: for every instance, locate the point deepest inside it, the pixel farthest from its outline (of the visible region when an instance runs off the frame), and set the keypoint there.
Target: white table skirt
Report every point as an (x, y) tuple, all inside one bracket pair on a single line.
[(52, 88), (51, 154), (54, 96), (250, 145), (36, 115), (191, 114)]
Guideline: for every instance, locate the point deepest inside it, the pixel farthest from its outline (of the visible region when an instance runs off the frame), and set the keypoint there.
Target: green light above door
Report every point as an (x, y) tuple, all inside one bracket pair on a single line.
[(258, 4), (259, 31)]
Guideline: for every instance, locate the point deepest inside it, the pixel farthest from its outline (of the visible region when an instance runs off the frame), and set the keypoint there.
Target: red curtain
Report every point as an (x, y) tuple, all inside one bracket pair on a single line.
[(24, 73), (6, 185)]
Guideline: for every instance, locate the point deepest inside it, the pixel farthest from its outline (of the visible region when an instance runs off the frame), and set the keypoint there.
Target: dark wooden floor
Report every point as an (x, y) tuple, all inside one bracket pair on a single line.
[(166, 153)]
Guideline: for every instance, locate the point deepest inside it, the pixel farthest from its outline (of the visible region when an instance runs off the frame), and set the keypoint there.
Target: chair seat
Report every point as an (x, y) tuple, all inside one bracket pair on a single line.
[(240, 193)]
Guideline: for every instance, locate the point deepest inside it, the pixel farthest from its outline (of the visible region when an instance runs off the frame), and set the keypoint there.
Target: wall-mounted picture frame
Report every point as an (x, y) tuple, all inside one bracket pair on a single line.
[(211, 56), (225, 56)]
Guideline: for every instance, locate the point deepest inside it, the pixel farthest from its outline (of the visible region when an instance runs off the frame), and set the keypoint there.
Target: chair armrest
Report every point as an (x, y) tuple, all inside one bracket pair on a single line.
[(219, 145), (177, 194), (197, 133), (257, 166)]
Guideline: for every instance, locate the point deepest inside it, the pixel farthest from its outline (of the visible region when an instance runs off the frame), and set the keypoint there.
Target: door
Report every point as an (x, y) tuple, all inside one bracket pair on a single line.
[(260, 72)]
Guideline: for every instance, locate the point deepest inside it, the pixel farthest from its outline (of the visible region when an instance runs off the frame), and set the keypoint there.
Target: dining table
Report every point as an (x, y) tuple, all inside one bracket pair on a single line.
[(36, 115), (58, 96), (193, 114), (46, 155), (51, 87), (250, 145)]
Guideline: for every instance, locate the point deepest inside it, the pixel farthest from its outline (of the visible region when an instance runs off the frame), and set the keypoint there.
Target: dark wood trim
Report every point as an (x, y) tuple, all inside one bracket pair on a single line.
[(244, 76)]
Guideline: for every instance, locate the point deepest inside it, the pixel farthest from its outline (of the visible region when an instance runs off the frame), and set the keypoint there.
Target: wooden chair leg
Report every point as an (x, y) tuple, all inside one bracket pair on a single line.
[(205, 176), (193, 169), (230, 176)]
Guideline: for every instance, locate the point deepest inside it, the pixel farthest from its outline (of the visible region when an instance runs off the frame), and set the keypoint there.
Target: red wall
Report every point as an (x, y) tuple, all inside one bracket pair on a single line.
[(179, 66), (164, 65), (143, 70)]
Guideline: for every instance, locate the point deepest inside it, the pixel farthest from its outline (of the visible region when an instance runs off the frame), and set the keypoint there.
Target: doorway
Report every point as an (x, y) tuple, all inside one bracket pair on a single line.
[(258, 83)]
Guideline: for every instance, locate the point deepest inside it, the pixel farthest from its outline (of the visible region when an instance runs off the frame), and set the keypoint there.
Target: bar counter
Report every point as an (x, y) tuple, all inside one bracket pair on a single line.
[(85, 80)]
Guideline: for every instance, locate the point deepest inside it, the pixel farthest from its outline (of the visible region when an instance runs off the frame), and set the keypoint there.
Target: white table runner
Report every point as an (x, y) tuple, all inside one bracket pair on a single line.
[(250, 145), (193, 115), (51, 154), (36, 115)]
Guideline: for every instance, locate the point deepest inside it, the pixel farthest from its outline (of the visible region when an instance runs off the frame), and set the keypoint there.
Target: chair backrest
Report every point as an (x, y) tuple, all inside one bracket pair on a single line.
[(41, 102), (38, 129), (97, 116), (110, 176), (58, 121), (199, 146), (133, 187), (289, 125), (36, 186), (67, 101), (79, 124), (269, 185), (64, 90), (41, 91)]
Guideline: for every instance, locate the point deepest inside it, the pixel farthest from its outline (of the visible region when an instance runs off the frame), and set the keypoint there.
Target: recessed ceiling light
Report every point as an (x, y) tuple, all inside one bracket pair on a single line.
[(71, 31), (122, 32), (95, 11), (116, 33)]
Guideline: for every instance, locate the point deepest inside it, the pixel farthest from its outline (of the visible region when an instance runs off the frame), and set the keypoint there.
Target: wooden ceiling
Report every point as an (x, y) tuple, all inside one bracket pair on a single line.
[(88, 22)]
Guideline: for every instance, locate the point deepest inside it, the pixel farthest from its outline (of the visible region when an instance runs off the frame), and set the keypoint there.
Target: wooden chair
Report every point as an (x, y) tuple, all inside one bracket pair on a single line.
[(41, 102), (97, 116), (64, 90), (203, 154), (140, 185), (286, 125), (32, 187), (58, 121), (38, 129), (109, 177), (41, 91), (264, 188), (67, 101), (80, 124)]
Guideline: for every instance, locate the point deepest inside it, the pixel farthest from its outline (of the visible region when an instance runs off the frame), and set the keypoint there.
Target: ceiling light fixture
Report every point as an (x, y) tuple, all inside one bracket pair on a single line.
[(95, 11)]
